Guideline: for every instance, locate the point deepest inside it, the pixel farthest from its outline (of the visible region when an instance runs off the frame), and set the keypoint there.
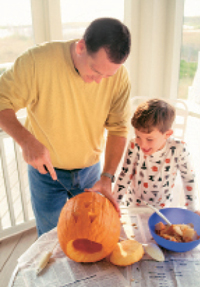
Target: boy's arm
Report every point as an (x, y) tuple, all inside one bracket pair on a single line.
[(126, 174), (188, 179)]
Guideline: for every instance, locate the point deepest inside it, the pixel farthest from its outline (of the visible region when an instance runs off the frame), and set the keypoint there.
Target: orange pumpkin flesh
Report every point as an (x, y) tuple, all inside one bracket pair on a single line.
[(88, 227)]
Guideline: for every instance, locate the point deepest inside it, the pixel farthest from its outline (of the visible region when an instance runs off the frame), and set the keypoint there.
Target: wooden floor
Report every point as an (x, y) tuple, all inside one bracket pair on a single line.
[(10, 251), (12, 248)]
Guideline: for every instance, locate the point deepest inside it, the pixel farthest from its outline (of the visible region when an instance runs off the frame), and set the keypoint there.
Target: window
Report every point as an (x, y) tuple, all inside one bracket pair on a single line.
[(16, 34), (77, 14), (190, 55)]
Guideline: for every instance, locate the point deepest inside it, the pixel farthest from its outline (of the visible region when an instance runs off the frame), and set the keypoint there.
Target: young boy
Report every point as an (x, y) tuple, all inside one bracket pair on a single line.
[(153, 158)]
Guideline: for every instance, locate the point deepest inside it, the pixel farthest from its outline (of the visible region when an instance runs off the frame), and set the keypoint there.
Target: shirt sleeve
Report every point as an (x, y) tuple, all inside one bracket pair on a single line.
[(118, 120), (16, 84), (126, 174), (188, 179)]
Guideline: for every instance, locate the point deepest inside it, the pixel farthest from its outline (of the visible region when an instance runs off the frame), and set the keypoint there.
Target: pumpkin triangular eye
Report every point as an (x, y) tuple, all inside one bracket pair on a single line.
[(76, 215), (87, 204), (92, 216)]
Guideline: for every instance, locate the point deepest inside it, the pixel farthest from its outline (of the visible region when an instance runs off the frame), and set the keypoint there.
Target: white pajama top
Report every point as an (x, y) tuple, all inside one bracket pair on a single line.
[(152, 177)]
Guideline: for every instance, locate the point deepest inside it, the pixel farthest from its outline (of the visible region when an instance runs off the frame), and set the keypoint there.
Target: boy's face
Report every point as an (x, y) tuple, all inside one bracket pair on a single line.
[(151, 142)]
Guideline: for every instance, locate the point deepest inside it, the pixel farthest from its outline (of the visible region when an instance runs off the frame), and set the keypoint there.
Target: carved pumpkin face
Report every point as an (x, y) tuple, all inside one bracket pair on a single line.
[(88, 228)]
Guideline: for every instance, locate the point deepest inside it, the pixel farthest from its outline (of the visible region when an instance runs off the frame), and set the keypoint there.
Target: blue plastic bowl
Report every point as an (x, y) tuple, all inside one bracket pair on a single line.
[(175, 216)]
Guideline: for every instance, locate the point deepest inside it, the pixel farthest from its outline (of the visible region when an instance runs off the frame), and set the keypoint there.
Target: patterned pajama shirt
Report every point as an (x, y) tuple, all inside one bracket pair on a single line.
[(152, 177)]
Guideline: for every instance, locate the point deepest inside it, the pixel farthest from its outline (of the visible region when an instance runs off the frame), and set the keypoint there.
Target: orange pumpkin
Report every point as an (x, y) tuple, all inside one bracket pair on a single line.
[(88, 227)]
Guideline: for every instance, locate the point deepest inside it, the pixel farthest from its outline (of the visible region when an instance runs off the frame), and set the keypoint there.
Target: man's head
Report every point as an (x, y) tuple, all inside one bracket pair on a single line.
[(104, 48), (110, 34), (152, 121)]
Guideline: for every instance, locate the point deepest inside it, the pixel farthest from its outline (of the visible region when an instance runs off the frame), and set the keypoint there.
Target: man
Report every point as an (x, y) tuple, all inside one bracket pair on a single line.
[(72, 92)]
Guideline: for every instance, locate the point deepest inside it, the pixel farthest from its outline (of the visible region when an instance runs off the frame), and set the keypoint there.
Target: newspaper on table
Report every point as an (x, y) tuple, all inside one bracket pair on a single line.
[(179, 269), (62, 271), (170, 273)]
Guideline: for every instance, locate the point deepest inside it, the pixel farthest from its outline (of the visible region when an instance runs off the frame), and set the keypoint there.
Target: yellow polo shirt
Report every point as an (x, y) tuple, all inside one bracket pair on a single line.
[(66, 114)]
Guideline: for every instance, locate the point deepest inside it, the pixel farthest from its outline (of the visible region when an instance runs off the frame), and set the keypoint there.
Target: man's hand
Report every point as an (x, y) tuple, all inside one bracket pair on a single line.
[(37, 155), (104, 187), (34, 153)]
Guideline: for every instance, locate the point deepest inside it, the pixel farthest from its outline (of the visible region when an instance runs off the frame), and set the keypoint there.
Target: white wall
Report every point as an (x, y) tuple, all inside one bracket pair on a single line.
[(156, 28)]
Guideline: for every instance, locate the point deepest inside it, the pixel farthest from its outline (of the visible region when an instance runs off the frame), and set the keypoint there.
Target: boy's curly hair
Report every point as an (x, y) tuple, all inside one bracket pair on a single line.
[(153, 114)]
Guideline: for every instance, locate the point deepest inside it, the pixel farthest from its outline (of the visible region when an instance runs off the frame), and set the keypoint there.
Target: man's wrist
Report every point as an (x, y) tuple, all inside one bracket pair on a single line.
[(109, 175)]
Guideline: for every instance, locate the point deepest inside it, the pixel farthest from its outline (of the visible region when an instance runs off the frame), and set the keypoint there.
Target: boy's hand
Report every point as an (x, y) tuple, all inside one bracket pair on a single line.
[(197, 212)]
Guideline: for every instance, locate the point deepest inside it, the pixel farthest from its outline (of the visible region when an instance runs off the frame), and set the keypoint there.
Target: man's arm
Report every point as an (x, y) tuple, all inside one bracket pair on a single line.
[(34, 153), (114, 150)]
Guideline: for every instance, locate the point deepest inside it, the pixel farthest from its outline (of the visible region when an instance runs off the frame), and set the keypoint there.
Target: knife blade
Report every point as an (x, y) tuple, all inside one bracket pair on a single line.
[(68, 191)]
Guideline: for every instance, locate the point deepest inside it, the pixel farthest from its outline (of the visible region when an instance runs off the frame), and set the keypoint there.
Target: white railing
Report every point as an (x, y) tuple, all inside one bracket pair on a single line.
[(15, 206)]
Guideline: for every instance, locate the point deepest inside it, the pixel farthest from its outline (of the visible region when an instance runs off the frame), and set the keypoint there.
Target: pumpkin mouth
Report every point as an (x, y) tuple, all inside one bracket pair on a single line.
[(87, 246), (84, 250)]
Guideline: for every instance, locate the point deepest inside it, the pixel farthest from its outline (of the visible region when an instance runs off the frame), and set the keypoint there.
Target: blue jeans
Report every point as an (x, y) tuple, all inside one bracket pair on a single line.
[(48, 196)]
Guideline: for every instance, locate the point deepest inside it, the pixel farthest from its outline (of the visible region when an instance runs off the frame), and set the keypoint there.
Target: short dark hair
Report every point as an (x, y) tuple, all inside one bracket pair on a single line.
[(152, 114), (111, 34)]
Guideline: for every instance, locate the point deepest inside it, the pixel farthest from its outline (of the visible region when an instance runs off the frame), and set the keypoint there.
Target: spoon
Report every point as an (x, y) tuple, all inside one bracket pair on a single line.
[(158, 212), (152, 250)]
